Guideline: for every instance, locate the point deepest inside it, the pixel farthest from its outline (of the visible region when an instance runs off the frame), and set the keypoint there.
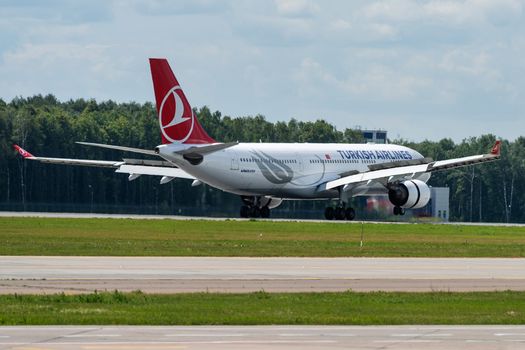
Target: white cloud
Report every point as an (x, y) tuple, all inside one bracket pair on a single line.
[(296, 8), (453, 12), (376, 82), (388, 63), (179, 7), (340, 25)]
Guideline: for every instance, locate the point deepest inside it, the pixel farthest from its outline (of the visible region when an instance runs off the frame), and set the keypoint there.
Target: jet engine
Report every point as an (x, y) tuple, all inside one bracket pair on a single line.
[(411, 194), (271, 202)]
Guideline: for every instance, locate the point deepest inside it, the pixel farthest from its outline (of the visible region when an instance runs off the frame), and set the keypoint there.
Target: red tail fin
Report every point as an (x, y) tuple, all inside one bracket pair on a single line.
[(496, 149), (23, 152), (177, 121)]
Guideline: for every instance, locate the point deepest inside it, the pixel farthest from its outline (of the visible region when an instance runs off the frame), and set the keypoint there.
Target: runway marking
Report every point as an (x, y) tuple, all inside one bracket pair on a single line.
[(91, 335), (508, 334), (422, 335), (480, 341), (408, 341), (218, 335), (80, 343), (86, 344), (133, 346), (4, 336), (181, 342), (260, 342)]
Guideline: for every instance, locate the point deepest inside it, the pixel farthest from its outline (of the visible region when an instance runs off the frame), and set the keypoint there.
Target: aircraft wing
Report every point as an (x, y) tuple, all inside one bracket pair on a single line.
[(133, 167), (407, 172), (172, 172)]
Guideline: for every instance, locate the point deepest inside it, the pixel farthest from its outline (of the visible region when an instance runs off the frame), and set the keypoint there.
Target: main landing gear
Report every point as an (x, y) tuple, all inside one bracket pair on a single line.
[(339, 213), (254, 212), (253, 208)]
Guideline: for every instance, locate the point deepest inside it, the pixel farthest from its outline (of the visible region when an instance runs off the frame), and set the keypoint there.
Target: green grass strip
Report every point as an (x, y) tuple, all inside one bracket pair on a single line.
[(262, 308), (126, 237)]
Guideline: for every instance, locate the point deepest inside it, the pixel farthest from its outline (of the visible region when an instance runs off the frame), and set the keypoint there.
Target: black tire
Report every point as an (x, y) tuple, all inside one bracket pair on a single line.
[(401, 211), (255, 212), (396, 210), (350, 214), (340, 213), (245, 211), (329, 213), (265, 212)]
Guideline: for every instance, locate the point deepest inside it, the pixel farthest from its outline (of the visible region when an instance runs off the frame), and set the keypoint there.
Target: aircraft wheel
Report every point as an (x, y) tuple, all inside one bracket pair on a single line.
[(350, 214), (245, 211), (255, 212), (340, 213), (397, 210), (329, 213), (265, 212), (401, 211)]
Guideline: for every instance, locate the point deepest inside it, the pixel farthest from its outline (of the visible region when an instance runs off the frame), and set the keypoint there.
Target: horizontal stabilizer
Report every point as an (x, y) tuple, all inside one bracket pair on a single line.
[(120, 148), (202, 150)]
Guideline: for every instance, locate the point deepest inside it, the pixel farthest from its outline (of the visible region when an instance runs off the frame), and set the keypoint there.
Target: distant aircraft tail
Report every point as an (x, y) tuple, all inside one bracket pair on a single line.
[(496, 149), (178, 123), (23, 152)]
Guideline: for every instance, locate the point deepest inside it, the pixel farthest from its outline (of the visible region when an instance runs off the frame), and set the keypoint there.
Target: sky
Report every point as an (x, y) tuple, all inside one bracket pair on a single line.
[(418, 69)]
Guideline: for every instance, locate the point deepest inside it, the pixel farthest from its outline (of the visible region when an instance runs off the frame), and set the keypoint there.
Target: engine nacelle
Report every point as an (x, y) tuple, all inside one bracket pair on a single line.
[(411, 194), (264, 201), (271, 202)]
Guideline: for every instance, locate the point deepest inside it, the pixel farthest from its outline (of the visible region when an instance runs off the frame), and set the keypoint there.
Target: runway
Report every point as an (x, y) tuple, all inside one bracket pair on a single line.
[(33, 274), (263, 337)]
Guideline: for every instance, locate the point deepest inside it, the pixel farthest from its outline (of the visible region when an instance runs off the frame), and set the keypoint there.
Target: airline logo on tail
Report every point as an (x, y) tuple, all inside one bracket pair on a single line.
[(173, 112), (496, 149), (178, 123), (23, 152)]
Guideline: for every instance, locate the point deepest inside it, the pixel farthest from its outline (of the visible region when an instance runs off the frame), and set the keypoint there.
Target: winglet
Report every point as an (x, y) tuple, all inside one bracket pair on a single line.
[(23, 152), (496, 149)]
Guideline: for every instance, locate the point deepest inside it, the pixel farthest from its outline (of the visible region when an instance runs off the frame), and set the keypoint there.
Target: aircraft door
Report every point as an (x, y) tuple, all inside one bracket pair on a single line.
[(234, 162), (299, 162)]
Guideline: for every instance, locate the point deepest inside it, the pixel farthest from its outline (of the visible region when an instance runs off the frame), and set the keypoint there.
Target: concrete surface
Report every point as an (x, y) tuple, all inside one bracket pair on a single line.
[(34, 274), (263, 337)]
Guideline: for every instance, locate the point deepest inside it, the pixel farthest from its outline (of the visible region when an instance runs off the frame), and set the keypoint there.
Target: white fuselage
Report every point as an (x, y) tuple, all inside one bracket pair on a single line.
[(288, 170)]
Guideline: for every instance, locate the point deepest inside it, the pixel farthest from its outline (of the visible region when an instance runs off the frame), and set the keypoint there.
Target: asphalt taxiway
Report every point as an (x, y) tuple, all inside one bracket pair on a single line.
[(262, 337), (52, 274)]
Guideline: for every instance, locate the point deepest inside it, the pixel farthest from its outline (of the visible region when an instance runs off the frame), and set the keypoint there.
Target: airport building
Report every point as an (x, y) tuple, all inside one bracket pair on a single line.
[(438, 206), (375, 136)]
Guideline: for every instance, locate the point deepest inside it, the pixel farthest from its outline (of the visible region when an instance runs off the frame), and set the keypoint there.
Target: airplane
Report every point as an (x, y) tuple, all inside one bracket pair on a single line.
[(265, 174)]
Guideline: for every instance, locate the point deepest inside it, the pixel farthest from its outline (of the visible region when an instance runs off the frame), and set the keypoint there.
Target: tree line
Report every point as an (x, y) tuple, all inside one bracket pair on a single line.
[(48, 127)]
